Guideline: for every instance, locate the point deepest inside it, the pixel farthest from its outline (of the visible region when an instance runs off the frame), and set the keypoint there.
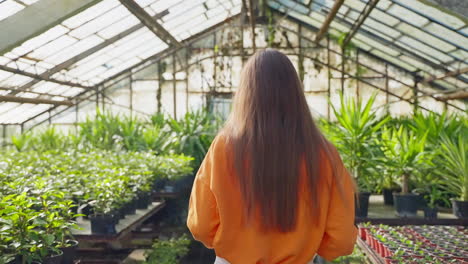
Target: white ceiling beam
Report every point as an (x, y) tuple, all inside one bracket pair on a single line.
[(36, 19)]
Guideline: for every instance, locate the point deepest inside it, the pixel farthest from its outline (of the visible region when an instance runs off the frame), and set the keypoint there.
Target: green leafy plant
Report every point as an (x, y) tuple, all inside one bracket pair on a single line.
[(355, 134), (22, 141), (193, 134), (168, 251), (405, 154), (455, 169)]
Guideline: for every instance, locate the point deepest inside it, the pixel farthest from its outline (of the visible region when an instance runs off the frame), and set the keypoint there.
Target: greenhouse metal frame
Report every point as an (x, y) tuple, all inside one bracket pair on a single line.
[(82, 57)]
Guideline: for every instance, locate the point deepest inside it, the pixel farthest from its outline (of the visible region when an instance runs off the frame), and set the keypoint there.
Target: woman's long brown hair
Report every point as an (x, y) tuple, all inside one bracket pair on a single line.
[(273, 135)]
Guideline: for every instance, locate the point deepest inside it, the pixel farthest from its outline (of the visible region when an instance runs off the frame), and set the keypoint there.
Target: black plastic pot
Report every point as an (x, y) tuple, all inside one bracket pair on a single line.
[(430, 213), (69, 253), (87, 210), (143, 201), (406, 205), (388, 195), (17, 260), (103, 224), (56, 259), (362, 204), (460, 208), (130, 208)]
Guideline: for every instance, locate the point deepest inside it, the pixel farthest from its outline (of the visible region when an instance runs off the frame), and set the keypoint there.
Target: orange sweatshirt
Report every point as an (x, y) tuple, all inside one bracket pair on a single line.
[(215, 218)]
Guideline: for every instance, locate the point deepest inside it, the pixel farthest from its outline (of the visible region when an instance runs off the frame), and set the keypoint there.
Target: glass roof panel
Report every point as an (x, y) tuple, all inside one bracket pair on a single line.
[(410, 16), (384, 17), (420, 46), (424, 37), (433, 13), (447, 34), (406, 33), (9, 8), (15, 80), (90, 13)]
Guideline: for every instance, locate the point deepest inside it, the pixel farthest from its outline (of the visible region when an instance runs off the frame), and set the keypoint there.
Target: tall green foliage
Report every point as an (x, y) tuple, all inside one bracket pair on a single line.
[(405, 153), (455, 165), (168, 251), (193, 134), (355, 135)]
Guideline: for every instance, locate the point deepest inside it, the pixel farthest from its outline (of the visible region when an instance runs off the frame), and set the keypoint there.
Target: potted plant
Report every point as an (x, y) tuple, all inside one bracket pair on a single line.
[(102, 219), (168, 251), (434, 195), (66, 243), (406, 157), (389, 186), (455, 171), (355, 136)]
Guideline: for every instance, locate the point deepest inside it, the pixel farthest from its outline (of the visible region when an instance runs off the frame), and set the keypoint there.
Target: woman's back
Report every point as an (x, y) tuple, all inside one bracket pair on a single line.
[(272, 189)]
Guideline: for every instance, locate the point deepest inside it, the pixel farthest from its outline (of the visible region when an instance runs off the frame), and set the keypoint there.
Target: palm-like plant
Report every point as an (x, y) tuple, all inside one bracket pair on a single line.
[(355, 137), (405, 153), (193, 134), (455, 169)]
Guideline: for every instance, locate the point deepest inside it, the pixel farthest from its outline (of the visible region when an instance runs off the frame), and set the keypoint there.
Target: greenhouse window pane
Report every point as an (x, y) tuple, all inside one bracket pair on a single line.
[(355, 4), (75, 49), (29, 2), (416, 63), (144, 3), (119, 27), (40, 40), (376, 44), (100, 22), (4, 75), (408, 15), (4, 60), (44, 87), (460, 54), (15, 81), (122, 66), (185, 9), (9, 8), (447, 34), (52, 47), (90, 13), (382, 28), (384, 18), (72, 91), (417, 45), (27, 95), (294, 6), (394, 60), (162, 5), (464, 31), (424, 37), (196, 14), (384, 4), (434, 13)]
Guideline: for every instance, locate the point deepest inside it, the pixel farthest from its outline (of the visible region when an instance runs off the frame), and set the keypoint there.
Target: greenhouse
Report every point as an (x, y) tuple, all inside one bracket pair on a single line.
[(109, 107)]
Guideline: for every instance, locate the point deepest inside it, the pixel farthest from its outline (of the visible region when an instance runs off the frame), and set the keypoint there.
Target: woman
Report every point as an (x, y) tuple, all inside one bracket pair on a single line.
[(271, 189)]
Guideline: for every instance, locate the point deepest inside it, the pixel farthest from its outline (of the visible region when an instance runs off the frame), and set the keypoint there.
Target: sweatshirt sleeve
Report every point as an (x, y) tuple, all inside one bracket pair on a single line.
[(340, 231), (203, 217)]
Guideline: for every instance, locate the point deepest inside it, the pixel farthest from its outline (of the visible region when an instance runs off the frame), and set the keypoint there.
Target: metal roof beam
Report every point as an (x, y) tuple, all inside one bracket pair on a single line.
[(157, 56), (458, 95), (48, 79), (446, 75), (326, 24), (36, 19), (150, 22), (87, 53), (362, 17), (26, 100), (15, 91)]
